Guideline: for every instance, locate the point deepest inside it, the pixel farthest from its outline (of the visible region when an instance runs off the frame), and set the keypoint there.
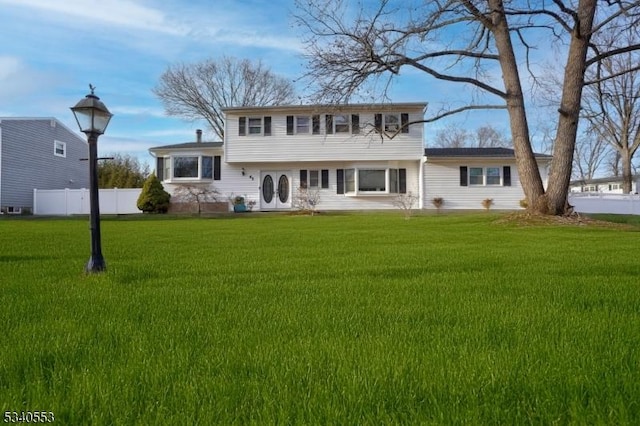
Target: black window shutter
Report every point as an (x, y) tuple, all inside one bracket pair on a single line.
[(303, 178), (325, 178), (328, 119), (160, 168), (216, 167), (506, 176), (463, 175), (289, 124), (402, 181), (355, 124), (316, 124), (267, 126), (377, 122), (404, 121), (340, 181), (242, 126)]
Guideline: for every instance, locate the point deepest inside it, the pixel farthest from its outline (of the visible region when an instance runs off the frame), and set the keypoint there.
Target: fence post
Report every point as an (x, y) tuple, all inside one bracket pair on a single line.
[(35, 201)]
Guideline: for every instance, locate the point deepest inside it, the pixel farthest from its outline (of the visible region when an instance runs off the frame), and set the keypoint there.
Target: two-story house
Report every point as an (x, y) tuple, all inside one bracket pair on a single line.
[(38, 153), (357, 157)]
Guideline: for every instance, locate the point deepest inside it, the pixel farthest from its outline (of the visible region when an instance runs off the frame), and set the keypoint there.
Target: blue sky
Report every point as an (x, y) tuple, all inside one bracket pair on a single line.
[(52, 50)]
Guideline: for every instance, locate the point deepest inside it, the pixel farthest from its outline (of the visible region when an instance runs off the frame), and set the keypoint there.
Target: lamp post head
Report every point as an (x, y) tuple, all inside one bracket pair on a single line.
[(91, 114)]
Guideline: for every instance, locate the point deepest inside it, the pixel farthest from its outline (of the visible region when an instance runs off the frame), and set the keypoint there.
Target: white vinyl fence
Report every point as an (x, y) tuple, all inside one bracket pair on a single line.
[(593, 202), (66, 202)]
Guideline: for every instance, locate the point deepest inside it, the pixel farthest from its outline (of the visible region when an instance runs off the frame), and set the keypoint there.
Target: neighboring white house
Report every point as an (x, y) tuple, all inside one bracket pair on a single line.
[(38, 153), (606, 185), (357, 157)]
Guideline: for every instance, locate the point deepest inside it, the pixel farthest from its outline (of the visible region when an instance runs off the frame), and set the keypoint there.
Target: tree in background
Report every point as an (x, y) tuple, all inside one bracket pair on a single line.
[(591, 152), (612, 105), (153, 198), (123, 171), (465, 42), (200, 90), (455, 136)]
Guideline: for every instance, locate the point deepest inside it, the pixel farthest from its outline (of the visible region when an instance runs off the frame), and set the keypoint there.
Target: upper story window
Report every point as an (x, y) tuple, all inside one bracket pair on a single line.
[(59, 149), (392, 122), (342, 123), (303, 124), (485, 176), (254, 126)]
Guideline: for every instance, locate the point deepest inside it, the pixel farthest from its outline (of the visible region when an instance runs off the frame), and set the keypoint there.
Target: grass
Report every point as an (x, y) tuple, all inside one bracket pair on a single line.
[(333, 319)]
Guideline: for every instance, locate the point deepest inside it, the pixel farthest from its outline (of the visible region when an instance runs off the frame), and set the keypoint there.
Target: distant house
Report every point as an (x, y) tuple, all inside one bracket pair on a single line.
[(38, 153), (606, 185), (357, 157)]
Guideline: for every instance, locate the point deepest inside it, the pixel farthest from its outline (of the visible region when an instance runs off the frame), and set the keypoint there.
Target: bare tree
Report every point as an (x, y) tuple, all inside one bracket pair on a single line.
[(199, 91), (196, 194), (612, 104), (488, 136), (462, 41), (452, 136), (591, 152)]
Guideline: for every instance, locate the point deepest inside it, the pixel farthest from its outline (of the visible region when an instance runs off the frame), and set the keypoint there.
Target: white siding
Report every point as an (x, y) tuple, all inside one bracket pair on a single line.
[(280, 147), (442, 179), (233, 182)]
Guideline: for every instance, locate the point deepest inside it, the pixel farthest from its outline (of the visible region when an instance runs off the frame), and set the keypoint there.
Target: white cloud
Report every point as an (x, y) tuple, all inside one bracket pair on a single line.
[(122, 13)]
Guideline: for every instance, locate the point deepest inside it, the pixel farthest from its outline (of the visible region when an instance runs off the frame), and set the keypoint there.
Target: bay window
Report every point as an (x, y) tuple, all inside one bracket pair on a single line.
[(188, 167), (371, 181)]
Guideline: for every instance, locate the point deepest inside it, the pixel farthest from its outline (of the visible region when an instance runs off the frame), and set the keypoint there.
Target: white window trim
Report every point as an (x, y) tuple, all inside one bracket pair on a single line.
[(64, 149), (484, 176), (199, 178), (359, 193)]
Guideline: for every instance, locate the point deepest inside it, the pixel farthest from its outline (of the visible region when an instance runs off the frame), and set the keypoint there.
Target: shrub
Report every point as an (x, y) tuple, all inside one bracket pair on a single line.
[(405, 202), (437, 202), (153, 198), (487, 203), (306, 200)]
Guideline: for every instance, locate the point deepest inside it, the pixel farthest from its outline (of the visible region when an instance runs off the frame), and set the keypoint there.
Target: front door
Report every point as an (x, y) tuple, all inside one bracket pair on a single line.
[(275, 190)]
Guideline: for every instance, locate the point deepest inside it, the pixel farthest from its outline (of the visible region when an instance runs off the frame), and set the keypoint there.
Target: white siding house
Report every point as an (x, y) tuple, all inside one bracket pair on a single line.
[(464, 177), (357, 157)]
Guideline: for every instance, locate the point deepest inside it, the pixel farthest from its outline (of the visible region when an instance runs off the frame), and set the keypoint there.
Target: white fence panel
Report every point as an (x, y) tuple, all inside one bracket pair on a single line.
[(605, 203), (65, 202)]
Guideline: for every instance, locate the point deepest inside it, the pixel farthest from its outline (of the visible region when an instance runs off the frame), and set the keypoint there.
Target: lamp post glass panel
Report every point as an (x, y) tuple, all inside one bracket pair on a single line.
[(93, 117)]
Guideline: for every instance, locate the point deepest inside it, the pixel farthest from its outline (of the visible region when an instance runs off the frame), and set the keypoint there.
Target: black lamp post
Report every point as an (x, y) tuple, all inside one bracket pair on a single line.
[(93, 117)]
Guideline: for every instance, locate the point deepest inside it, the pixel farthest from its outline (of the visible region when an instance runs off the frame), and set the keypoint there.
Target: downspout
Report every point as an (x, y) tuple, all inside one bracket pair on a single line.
[(421, 162)]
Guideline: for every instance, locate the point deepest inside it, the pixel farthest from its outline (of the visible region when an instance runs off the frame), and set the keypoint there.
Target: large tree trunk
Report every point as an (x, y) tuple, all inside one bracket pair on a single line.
[(558, 188), (525, 159)]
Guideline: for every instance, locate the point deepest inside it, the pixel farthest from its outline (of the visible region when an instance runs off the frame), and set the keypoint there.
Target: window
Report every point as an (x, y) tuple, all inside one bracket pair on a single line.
[(485, 176), (193, 167), (493, 175), (476, 176), (371, 181), (303, 124), (314, 178), (317, 178), (392, 123), (254, 126), (340, 123), (207, 167), (59, 149), (185, 167)]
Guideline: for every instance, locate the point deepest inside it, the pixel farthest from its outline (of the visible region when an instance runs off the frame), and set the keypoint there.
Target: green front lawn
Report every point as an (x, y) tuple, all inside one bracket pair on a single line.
[(333, 319)]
